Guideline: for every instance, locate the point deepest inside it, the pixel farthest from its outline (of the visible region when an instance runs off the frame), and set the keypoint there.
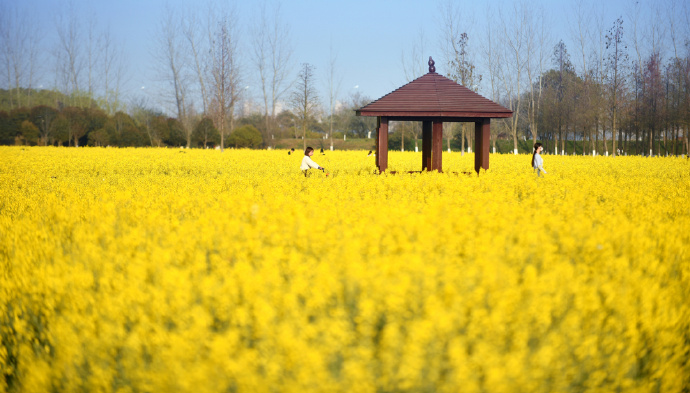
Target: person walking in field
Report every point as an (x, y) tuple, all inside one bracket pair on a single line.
[(307, 162), (537, 161)]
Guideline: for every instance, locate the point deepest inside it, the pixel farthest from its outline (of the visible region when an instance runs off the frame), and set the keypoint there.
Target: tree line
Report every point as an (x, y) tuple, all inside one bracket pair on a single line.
[(44, 125), (623, 89), (617, 86), (53, 123)]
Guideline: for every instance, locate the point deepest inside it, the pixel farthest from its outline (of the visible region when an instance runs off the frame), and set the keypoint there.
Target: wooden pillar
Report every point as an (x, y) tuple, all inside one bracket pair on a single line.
[(376, 149), (382, 143), (426, 145), (437, 146), (482, 132)]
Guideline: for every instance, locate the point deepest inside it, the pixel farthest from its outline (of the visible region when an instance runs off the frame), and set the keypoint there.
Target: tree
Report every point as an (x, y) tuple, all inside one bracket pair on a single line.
[(535, 53), (414, 66), (77, 124), (245, 136), (333, 89), (170, 56), (285, 122), (226, 73), (191, 25), (158, 130), (272, 54), (585, 106), (492, 57), (461, 69), (359, 125), (43, 116), (70, 56), (5, 129), (653, 98), (514, 39), (99, 137), (20, 38), (615, 72), (144, 118), (112, 60), (205, 132), (123, 131), (174, 132), (62, 130), (96, 119), (29, 131), (395, 140), (562, 86), (304, 99)]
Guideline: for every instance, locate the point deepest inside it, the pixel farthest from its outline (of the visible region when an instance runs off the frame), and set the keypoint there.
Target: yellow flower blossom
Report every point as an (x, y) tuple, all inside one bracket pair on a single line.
[(127, 270)]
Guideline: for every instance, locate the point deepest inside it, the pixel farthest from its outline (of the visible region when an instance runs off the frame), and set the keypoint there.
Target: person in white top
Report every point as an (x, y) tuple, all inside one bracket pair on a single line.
[(537, 161), (307, 162)]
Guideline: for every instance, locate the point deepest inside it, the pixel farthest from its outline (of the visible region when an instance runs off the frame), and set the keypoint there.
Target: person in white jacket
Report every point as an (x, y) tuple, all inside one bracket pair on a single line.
[(307, 162), (537, 161)]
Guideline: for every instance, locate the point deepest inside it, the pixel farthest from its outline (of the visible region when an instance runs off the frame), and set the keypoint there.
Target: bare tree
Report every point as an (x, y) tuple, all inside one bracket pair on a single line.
[(536, 57), (44, 117), (599, 96), (615, 72), (583, 36), (70, 54), (334, 84), (225, 68), (272, 52), (91, 55), (143, 116), (191, 29), (113, 72), (636, 34), (304, 99), (170, 56), (580, 31), (462, 69), (7, 47), (563, 87), (677, 66), (414, 64), (492, 65), (20, 38), (511, 73)]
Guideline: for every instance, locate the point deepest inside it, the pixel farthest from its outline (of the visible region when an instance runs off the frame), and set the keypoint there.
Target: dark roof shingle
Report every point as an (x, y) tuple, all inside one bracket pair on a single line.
[(433, 95)]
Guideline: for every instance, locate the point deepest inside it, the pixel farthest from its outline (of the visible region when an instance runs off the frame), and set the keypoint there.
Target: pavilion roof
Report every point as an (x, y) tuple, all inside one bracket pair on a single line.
[(434, 95)]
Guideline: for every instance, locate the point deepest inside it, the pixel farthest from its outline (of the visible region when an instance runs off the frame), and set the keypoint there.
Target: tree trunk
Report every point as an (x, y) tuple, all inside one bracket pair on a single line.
[(606, 145), (651, 142), (613, 133), (470, 138), (556, 137), (666, 140), (402, 140), (594, 139), (514, 142)]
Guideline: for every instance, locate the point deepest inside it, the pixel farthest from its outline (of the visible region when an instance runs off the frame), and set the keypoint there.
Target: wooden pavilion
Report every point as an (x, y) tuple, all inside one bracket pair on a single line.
[(434, 99)]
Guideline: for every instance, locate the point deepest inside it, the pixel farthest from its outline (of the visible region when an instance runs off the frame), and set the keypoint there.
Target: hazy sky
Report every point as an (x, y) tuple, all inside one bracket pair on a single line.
[(368, 36)]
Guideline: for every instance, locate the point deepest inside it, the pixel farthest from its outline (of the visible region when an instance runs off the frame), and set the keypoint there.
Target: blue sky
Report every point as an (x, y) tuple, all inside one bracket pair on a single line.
[(368, 36)]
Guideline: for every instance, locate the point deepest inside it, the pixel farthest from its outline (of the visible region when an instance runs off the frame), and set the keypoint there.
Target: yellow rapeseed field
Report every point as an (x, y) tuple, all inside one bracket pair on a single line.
[(166, 270)]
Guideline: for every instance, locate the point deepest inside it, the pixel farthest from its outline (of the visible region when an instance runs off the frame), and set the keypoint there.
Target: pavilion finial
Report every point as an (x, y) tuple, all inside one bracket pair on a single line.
[(431, 65)]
